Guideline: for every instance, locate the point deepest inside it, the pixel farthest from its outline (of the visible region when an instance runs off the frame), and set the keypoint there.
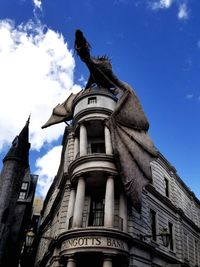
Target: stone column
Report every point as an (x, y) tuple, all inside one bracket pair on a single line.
[(109, 203), (76, 146), (123, 210), (83, 140), (108, 144), (70, 209), (107, 262), (71, 262), (79, 203)]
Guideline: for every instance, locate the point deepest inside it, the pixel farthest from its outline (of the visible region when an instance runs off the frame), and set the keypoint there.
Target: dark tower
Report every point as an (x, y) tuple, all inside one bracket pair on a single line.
[(15, 164)]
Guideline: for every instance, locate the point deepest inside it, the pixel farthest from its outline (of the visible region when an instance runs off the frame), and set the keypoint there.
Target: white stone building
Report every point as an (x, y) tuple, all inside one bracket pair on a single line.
[(87, 219)]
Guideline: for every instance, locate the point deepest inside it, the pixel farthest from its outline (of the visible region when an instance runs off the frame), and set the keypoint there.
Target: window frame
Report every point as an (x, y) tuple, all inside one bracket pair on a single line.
[(167, 186), (172, 240), (23, 190), (196, 254), (185, 245), (24, 195), (154, 235), (22, 186), (92, 100)]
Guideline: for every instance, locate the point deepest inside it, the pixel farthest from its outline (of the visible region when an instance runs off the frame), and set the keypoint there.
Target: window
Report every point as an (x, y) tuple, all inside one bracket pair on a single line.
[(24, 186), (153, 224), (166, 182), (97, 148), (96, 216), (171, 242), (24, 189), (22, 195), (92, 100), (196, 260), (185, 246)]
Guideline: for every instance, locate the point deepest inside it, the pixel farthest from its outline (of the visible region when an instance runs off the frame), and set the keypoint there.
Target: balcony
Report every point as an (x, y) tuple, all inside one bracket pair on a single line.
[(94, 239), (90, 163)]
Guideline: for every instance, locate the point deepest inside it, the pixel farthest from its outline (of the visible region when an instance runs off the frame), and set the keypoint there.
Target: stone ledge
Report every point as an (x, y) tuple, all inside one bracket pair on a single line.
[(92, 162), (98, 239)]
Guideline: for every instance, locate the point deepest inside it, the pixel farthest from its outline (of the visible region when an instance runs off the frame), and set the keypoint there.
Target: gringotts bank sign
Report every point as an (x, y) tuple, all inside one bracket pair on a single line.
[(94, 242)]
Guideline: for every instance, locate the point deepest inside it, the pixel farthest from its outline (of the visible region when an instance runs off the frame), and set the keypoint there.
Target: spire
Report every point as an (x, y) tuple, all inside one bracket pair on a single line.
[(20, 146)]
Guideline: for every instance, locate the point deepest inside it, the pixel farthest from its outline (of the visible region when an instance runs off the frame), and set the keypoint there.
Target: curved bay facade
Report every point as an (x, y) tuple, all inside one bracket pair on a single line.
[(87, 219)]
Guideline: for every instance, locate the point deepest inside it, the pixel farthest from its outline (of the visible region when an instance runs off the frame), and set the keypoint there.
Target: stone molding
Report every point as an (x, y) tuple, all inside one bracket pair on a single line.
[(94, 93), (91, 111), (92, 162), (99, 239)]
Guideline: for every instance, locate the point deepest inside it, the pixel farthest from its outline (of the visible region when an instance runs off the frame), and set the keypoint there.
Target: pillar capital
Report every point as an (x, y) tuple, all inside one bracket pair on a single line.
[(71, 262), (107, 261), (72, 187), (105, 122), (110, 175), (71, 259), (83, 122), (108, 256)]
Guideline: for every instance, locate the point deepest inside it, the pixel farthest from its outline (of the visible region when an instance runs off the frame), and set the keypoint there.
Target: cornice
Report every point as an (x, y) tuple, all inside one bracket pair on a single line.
[(151, 189), (154, 250), (173, 172), (89, 111), (93, 92), (93, 231), (95, 157)]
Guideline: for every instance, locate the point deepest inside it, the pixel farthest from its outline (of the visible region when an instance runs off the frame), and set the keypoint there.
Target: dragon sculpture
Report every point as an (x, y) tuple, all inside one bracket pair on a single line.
[(132, 147), (100, 68)]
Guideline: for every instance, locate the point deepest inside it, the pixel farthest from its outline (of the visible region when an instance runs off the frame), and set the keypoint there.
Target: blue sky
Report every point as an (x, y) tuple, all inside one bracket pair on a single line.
[(154, 45)]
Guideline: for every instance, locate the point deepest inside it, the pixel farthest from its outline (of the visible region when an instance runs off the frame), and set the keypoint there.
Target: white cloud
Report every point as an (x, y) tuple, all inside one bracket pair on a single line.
[(47, 167), (189, 96), (82, 81), (161, 4), (36, 69), (37, 3), (183, 12)]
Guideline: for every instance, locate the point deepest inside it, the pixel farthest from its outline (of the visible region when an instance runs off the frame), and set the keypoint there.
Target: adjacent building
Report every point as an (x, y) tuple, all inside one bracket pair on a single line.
[(87, 219), (17, 189)]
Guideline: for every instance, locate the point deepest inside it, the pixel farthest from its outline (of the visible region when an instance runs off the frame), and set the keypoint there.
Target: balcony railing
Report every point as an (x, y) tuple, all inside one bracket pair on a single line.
[(97, 219), (89, 152)]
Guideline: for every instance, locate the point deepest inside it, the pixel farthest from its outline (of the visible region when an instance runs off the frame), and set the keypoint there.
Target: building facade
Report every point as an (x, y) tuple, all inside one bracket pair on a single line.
[(17, 189), (87, 219)]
